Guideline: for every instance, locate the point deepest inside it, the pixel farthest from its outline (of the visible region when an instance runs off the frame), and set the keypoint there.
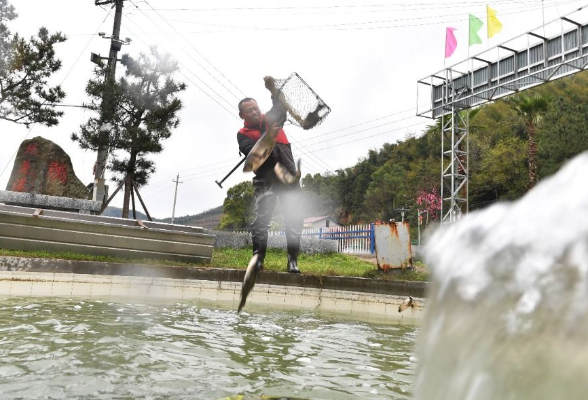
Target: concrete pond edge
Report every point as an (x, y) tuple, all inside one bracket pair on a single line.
[(364, 297)]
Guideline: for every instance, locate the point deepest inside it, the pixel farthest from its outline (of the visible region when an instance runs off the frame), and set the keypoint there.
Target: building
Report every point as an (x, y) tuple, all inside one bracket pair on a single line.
[(320, 222)]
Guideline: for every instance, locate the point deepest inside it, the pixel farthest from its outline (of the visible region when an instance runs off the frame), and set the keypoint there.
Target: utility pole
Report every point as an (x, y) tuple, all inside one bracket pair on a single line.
[(107, 111), (420, 221), (175, 196), (402, 211)]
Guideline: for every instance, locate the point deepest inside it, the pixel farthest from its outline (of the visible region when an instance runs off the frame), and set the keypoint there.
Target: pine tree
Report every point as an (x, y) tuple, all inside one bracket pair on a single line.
[(145, 114), (25, 67)]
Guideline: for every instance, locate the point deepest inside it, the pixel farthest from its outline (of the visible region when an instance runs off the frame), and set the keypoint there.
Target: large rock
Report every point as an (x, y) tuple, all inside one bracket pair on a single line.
[(43, 167)]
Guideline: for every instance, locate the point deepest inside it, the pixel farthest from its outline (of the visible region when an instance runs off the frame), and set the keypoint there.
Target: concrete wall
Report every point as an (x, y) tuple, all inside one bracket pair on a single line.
[(360, 297), (49, 202), (23, 228)]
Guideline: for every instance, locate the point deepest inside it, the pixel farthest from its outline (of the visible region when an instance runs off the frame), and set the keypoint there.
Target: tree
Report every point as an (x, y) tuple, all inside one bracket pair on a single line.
[(531, 109), (386, 192), (320, 196), (565, 128), (238, 207), (25, 67), (430, 201), (145, 113), (503, 169)]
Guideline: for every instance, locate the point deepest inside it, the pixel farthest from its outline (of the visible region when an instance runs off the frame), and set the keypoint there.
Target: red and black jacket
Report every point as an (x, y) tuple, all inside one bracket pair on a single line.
[(282, 153)]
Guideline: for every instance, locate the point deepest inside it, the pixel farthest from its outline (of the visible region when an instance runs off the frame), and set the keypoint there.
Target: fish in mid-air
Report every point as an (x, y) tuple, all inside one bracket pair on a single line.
[(262, 149), (405, 304), (249, 280), (285, 176)]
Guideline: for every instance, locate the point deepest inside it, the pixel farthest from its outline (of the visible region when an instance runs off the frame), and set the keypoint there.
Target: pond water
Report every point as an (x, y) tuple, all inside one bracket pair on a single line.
[(53, 347)]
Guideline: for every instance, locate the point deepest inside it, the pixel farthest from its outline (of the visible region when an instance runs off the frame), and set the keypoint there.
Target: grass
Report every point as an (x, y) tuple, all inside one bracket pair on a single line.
[(318, 264)]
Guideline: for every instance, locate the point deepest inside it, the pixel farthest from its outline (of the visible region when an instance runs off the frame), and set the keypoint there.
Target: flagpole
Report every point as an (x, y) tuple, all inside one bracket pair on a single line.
[(488, 28), (469, 33), (543, 12), (445, 51)]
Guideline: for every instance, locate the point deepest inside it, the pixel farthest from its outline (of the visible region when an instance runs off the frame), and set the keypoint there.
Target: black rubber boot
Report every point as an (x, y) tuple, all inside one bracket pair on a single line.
[(293, 265), (260, 250), (293, 259)]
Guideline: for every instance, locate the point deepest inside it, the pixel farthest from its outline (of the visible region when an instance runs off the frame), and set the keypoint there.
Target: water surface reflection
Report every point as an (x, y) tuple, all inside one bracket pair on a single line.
[(58, 347)]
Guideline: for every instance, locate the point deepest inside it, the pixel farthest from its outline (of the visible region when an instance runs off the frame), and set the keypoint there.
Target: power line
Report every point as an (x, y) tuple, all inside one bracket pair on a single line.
[(195, 60), (202, 174), (201, 55), (305, 151), (206, 168), (366, 137), (190, 80), (191, 176), (368, 25), (229, 161), (315, 162), (363, 123), (352, 8), (197, 77), (362, 130)]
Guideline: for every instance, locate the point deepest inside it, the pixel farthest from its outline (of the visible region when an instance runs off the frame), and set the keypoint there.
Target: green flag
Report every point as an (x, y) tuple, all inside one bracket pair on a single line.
[(475, 25)]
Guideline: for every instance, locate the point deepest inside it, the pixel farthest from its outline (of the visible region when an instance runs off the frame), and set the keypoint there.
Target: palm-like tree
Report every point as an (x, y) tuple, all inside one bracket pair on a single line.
[(531, 108)]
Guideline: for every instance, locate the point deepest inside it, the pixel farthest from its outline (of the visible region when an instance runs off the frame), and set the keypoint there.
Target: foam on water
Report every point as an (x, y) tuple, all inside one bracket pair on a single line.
[(507, 316)]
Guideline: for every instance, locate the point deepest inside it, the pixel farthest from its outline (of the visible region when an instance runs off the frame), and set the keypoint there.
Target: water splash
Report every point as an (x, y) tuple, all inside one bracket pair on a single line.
[(507, 316)]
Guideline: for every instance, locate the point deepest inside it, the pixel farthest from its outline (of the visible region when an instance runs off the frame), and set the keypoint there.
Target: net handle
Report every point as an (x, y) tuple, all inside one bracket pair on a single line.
[(270, 84)]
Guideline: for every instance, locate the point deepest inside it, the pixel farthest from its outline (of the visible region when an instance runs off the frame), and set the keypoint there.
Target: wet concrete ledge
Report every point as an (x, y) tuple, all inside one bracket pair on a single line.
[(340, 283)]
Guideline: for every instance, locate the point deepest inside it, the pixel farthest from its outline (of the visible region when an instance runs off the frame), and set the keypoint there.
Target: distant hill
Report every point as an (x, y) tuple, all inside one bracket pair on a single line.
[(117, 212), (208, 219)]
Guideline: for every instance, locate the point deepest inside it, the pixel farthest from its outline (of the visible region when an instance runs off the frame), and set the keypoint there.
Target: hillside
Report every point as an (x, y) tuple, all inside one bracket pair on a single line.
[(208, 219), (406, 174), (117, 212)]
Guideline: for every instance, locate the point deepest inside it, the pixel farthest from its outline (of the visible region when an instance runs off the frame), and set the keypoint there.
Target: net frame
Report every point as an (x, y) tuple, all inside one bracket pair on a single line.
[(304, 106)]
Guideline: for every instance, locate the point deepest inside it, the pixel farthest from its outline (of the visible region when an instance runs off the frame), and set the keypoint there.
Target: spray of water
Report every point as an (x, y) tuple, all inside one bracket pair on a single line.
[(507, 315)]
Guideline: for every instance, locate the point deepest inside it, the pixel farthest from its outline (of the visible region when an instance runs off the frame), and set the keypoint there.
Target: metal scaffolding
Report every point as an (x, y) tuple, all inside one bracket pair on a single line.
[(454, 160), (492, 74)]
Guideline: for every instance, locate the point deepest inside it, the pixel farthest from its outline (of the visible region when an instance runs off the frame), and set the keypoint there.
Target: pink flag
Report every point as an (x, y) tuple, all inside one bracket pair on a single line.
[(450, 42)]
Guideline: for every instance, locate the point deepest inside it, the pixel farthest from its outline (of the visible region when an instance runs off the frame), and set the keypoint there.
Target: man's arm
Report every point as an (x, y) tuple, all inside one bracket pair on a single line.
[(245, 143)]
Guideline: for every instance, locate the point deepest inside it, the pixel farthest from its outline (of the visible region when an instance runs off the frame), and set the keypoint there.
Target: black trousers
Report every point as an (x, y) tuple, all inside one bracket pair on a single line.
[(266, 195)]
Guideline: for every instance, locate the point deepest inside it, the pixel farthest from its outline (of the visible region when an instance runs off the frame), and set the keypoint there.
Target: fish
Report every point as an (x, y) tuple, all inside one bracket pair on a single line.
[(405, 304), (261, 150), (249, 280), (285, 176)]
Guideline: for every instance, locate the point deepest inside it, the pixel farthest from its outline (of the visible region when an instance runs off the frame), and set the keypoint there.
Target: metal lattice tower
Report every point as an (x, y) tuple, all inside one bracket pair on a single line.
[(454, 160), (492, 74)]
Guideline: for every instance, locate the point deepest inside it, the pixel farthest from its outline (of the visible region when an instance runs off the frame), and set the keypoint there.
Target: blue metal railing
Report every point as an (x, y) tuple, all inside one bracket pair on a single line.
[(354, 238)]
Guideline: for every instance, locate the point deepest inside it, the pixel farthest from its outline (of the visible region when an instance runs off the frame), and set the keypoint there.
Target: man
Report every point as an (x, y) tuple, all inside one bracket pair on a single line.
[(268, 188)]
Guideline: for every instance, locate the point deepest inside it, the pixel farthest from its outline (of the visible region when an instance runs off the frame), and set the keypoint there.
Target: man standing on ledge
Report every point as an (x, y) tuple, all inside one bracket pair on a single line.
[(268, 187)]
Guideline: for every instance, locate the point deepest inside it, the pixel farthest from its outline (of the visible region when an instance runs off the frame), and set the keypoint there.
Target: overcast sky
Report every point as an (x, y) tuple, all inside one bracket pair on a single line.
[(363, 58)]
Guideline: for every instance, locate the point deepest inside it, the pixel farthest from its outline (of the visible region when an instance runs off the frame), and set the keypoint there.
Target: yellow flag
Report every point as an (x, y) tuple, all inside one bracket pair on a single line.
[(494, 25)]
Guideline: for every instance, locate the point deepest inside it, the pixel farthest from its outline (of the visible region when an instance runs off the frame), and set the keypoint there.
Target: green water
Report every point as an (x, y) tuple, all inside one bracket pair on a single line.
[(53, 347)]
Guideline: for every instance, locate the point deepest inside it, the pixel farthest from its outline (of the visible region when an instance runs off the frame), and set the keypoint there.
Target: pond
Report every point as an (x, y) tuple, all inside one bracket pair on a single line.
[(56, 347)]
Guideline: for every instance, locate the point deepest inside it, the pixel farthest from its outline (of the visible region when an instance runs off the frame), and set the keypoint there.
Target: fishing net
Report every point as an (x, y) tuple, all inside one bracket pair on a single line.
[(304, 107)]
